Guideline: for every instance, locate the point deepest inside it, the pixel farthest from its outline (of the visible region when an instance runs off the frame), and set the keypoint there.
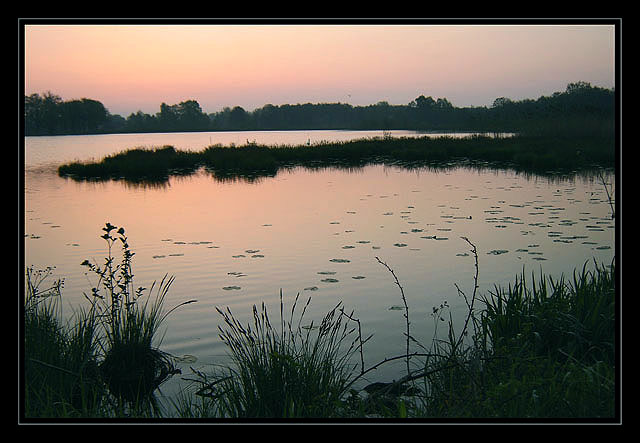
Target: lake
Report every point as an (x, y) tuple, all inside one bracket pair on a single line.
[(316, 233)]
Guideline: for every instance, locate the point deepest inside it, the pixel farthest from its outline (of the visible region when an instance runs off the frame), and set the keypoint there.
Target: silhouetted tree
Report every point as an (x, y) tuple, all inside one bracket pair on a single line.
[(580, 110)]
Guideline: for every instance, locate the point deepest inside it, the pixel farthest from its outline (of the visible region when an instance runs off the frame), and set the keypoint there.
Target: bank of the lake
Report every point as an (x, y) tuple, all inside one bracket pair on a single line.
[(538, 350)]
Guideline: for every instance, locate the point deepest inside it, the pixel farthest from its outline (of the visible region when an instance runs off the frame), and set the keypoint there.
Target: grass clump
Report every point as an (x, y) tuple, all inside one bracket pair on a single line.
[(294, 371), (106, 363), (60, 362), (539, 350)]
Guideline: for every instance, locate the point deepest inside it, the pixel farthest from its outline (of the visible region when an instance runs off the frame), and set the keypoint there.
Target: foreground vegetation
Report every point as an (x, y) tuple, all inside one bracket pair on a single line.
[(535, 154), (539, 349), (105, 362)]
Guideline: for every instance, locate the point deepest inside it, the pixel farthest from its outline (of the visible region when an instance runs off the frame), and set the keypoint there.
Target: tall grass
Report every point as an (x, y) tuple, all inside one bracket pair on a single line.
[(541, 349), (537, 349), (60, 360), (106, 362), (288, 370)]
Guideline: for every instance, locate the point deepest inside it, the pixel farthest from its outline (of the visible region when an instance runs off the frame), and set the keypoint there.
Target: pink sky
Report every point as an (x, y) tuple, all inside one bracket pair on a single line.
[(130, 68)]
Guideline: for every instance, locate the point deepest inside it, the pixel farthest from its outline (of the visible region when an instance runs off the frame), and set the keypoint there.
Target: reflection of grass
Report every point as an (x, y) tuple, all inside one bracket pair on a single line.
[(535, 154)]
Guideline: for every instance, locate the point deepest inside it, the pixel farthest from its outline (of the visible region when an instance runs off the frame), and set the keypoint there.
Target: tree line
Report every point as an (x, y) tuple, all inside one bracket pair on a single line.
[(581, 109)]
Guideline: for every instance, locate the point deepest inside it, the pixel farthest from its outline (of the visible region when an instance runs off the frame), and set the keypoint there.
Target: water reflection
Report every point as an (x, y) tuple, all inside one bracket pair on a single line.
[(237, 241)]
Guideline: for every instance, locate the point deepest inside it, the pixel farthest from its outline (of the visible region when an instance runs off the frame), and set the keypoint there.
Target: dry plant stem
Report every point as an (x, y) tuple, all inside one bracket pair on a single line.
[(606, 189), (406, 310), (473, 296), (350, 317), (409, 377)]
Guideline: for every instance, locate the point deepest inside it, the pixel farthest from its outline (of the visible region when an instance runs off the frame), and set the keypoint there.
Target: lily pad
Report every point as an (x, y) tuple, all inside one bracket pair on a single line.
[(311, 288), (231, 288), (326, 272), (497, 252), (329, 280), (400, 245), (340, 260), (358, 277), (187, 358)]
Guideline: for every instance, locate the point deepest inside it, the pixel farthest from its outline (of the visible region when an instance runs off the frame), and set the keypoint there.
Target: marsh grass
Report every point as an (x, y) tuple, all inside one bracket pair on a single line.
[(543, 349), (60, 360), (538, 349), (286, 370), (106, 362), (525, 153)]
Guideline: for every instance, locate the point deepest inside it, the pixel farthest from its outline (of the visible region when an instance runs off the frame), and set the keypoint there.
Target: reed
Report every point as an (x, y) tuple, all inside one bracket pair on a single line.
[(525, 153), (106, 362), (291, 370), (542, 349), (538, 349), (61, 377)]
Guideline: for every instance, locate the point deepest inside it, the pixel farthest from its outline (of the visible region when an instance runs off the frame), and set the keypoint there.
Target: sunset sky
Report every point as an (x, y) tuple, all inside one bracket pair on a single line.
[(137, 67)]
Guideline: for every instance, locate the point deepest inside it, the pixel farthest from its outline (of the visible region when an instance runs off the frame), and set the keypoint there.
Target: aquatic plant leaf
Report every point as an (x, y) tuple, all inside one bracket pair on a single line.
[(187, 358)]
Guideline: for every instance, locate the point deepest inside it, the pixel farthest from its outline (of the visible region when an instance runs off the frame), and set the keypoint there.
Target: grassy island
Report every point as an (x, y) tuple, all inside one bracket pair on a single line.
[(538, 154)]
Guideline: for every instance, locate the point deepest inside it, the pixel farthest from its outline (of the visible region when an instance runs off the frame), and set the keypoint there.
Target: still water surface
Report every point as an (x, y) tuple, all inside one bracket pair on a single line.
[(317, 233)]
